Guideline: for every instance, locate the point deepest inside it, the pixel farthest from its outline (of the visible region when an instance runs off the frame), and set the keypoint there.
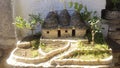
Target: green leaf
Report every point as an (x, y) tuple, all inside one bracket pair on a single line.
[(80, 7), (76, 6), (70, 4), (85, 8)]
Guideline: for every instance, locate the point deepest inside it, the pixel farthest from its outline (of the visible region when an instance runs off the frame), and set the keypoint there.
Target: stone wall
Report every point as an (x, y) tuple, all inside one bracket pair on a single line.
[(112, 19), (64, 32), (116, 58), (49, 33), (7, 37)]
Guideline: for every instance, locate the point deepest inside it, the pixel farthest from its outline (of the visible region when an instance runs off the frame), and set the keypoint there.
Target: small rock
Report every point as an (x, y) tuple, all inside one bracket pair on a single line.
[(23, 45)]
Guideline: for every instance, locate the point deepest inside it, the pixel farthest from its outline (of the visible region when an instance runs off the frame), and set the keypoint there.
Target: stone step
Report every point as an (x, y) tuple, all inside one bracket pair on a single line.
[(114, 28), (115, 21), (118, 41), (114, 35), (68, 39), (110, 15), (72, 66), (85, 66)]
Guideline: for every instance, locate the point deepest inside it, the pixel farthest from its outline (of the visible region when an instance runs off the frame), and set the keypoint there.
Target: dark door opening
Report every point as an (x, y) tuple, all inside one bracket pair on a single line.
[(73, 32), (59, 33)]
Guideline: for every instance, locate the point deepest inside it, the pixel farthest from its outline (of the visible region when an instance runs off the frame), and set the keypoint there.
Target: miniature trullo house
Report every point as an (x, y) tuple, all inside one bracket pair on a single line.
[(63, 25)]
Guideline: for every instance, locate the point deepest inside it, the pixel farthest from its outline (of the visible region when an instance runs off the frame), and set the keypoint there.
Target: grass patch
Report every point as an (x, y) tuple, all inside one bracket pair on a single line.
[(48, 46), (87, 51), (35, 54), (90, 54)]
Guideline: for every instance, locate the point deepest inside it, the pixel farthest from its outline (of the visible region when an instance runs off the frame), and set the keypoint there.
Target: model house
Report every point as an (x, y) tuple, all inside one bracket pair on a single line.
[(63, 25)]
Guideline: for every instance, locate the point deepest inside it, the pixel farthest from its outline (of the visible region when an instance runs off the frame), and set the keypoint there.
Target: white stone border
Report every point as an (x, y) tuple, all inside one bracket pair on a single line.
[(81, 62)]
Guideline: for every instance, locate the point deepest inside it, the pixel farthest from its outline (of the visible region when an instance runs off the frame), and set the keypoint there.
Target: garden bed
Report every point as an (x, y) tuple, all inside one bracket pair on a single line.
[(86, 55), (27, 53), (47, 46)]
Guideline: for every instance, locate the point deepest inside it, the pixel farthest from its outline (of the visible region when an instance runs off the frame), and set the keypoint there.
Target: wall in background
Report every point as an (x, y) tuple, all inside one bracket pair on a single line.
[(25, 7), (7, 36)]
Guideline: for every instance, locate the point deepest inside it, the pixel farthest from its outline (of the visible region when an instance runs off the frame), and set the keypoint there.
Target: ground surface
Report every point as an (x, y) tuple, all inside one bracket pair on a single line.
[(73, 46), (6, 54)]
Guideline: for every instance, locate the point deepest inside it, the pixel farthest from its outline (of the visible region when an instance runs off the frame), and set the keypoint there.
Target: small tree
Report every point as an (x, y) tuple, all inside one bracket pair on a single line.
[(93, 25), (87, 17), (33, 20), (23, 24), (85, 14), (78, 7)]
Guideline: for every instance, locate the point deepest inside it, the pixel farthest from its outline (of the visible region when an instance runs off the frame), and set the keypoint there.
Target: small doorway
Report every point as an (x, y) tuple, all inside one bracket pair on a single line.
[(59, 33), (73, 33)]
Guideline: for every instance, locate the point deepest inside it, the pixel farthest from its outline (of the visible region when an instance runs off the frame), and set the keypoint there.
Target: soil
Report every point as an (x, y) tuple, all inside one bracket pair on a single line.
[(3, 63), (52, 45), (27, 53)]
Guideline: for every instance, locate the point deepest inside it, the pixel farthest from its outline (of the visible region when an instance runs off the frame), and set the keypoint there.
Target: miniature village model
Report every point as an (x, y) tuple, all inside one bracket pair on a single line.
[(61, 42)]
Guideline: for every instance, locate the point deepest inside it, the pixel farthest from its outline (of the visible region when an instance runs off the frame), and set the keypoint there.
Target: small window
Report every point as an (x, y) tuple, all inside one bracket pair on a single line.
[(66, 31), (47, 32)]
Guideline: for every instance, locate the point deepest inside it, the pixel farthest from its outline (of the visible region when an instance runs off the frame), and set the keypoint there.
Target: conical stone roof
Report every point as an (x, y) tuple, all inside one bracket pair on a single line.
[(51, 20), (64, 18), (76, 19)]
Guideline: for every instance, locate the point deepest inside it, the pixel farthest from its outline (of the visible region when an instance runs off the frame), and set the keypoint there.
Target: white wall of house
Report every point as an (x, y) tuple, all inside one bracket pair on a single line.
[(25, 7)]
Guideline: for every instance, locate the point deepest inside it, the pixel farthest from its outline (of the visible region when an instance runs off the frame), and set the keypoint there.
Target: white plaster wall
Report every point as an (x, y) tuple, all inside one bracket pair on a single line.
[(25, 7)]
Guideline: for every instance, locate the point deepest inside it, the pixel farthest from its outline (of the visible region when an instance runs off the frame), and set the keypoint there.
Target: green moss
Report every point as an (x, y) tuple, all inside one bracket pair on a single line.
[(35, 54)]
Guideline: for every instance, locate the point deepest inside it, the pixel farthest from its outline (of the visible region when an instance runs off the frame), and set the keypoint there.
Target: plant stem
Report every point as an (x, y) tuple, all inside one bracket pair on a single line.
[(64, 5), (93, 33)]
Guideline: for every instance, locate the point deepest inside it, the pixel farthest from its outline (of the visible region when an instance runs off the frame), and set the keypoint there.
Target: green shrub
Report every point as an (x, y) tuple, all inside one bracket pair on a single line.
[(98, 38), (35, 44), (42, 45), (88, 35), (84, 46)]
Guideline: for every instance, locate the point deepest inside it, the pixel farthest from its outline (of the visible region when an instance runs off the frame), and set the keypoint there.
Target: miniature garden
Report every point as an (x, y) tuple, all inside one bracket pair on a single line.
[(85, 47)]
